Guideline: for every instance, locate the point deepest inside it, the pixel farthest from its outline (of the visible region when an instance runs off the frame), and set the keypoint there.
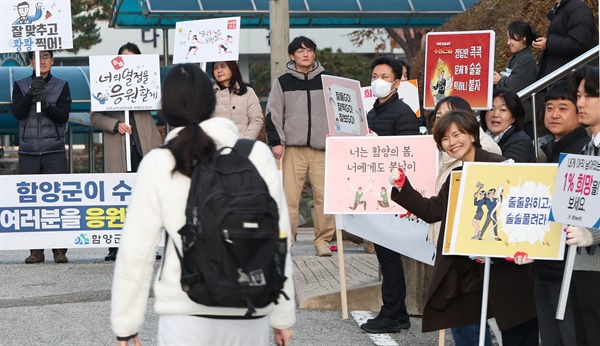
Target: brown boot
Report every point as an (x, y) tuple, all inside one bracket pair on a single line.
[(59, 255), (36, 256)]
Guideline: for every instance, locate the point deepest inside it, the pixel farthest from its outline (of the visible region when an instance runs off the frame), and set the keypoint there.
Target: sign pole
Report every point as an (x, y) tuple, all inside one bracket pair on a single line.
[(566, 283), (38, 105), (340, 245), (484, 300), (127, 144)]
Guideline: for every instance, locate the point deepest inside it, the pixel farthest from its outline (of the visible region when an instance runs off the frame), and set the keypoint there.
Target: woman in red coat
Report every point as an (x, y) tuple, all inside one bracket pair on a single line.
[(454, 295)]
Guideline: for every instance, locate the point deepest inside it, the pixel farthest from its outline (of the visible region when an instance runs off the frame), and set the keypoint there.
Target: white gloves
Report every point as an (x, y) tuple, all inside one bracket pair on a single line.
[(579, 236)]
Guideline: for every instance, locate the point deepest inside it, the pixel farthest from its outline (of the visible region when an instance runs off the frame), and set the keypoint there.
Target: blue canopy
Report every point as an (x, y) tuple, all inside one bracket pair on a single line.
[(303, 13)]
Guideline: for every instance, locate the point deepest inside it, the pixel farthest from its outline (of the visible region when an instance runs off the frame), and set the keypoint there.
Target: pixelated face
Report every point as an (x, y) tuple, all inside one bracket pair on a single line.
[(499, 118), (304, 58), (588, 107), (515, 45), (222, 73), (23, 10), (383, 72), (458, 144), (560, 117), (46, 62)]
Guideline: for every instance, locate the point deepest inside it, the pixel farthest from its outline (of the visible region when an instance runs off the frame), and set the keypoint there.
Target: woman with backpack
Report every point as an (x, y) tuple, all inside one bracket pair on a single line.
[(159, 199)]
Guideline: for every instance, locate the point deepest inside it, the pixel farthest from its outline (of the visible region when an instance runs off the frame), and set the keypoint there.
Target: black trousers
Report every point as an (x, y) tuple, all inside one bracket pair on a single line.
[(393, 286), (585, 296), (55, 163)]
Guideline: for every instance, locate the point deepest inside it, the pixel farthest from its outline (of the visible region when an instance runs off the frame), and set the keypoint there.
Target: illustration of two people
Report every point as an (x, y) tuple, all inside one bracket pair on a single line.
[(358, 194), (492, 203)]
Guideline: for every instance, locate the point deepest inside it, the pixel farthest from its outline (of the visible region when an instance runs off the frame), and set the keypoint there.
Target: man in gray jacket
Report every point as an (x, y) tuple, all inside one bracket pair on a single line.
[(42, 135), (297, 122)]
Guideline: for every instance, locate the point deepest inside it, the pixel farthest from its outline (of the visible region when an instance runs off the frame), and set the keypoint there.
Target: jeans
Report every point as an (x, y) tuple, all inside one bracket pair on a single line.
[(468, 335)]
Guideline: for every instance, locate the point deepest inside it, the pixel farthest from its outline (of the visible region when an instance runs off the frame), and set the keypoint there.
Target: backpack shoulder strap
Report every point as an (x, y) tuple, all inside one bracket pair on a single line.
[(243, 146)]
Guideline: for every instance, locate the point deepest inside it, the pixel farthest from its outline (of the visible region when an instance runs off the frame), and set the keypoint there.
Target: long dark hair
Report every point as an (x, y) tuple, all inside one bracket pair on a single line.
[(236, 78), (182, 107)]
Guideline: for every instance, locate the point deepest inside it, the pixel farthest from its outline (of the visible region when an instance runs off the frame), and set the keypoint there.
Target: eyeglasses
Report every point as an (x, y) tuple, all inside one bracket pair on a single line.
[(302, 50), (45, 57)]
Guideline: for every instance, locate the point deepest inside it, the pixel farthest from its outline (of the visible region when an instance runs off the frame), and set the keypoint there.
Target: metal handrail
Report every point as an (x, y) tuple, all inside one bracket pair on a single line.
[(565, 70), (558, 74)]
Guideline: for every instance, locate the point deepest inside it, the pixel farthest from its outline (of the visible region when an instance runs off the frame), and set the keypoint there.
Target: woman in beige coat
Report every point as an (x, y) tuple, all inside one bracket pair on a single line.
[(236, 100)]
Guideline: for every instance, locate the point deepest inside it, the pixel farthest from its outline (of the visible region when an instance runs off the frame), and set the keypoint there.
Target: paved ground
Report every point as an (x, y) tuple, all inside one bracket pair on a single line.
[(69, 304)]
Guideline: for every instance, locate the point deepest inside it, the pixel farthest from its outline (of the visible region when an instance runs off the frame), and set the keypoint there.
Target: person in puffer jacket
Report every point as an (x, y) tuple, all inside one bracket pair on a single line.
[(42, 135), (297, 121)]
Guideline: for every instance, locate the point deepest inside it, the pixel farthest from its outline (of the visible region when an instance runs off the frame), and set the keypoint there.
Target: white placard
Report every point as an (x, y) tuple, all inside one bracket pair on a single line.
[(125, 82), (35, 25), (577, 191), (63, 210), (207, 40)]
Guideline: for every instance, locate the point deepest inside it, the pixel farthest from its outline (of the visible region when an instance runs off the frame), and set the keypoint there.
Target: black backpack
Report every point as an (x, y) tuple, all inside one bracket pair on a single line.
[(233, 254)]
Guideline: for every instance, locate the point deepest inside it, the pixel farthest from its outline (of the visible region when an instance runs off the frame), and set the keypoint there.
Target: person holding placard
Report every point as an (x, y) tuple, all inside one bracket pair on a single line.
[(568, 136), (144, 137), (42, 135), (455, 291), (504, 123), (390, 116), (296, 125), (585, 282), (447, 163), (236, 100)]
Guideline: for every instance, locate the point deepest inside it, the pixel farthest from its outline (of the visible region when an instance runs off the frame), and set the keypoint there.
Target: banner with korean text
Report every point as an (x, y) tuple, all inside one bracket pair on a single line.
[(63, 210), (357, 171), (343, 105), (207, 40), (125, 82), (504, 208), (576, 194), (35, 25), (459, 64)]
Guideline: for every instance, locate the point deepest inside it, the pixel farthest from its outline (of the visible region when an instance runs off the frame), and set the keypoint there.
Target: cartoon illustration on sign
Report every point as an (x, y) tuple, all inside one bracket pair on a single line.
[(23, 11), (222, 46), (193, 42), (443, 85), (358, 193), (100, 97), (492, 203)]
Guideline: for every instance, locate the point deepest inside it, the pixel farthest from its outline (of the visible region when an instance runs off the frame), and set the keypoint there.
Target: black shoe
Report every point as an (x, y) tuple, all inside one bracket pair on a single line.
[(378, 317), (404, 322), (112, 255), (382, 325), (158, 256)]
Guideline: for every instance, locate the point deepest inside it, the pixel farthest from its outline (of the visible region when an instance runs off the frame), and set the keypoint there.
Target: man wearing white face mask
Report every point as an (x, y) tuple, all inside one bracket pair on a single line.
[(390, 116)]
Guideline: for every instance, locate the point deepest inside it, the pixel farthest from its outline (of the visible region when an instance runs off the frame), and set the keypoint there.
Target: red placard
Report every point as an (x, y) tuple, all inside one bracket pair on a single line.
[(459, 64)]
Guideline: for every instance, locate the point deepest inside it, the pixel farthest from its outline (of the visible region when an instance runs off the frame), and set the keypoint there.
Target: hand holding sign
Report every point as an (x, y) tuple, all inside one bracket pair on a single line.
[(579, 236), (398, 177)]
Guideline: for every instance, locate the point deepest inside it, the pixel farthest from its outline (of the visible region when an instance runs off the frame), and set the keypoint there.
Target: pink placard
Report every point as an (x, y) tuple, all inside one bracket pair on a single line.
[(357, 171)]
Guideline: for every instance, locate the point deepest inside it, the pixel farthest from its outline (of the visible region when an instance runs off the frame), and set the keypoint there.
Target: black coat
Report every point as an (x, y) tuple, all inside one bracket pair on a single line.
[(572, 32), (516, 144), (456, 286), (572, 143), (393, 118), (522, 71)]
